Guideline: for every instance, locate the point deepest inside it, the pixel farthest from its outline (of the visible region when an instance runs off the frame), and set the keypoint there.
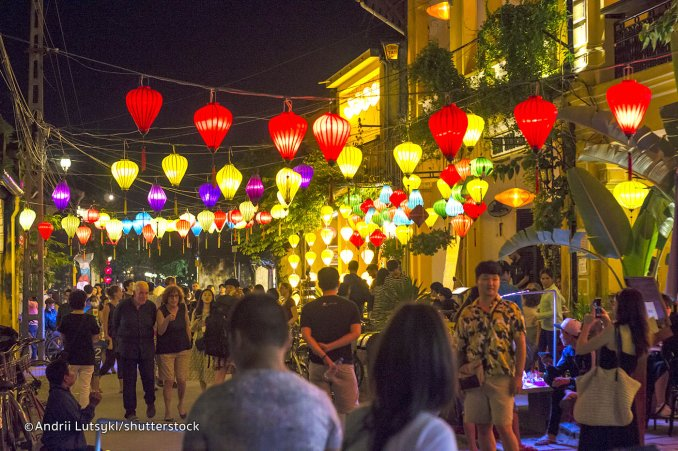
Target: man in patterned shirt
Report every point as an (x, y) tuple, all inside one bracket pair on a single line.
[(491, 330)]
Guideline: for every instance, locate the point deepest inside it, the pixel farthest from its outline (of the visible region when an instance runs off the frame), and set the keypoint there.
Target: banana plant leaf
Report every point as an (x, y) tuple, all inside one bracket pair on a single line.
[(636, 261), (532, 237), (605, 222), (669, 114)]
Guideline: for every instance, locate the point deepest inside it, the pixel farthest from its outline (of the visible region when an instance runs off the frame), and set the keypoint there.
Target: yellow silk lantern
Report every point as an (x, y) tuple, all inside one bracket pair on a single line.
[(174, 166), (412, 182), (345, 211), (346, 233), (161, 226), (403, 234), (310, 257), (363, 229), (432, 217), (346, 256), (327, 256), (281, 200), (371, 227), (26, 218), (240, 225), (477, 188), (309, 238), (102, 221), (229, 179), (349, 161), (205, 219), (288, 182), (293, 280), (294, 261), (631, 194), (515, 197), (124, 172), (279, 212), (172, 225), (114, 230), (247, 209), (326, 213), (327, 235), (444, 188), (407, 155), (70, 224), (293, 240), (476, 125), (367, 255)]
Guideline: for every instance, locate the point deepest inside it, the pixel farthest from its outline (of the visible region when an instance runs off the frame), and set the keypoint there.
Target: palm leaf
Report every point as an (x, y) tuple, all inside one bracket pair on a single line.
[(606, 224), (532, 237)]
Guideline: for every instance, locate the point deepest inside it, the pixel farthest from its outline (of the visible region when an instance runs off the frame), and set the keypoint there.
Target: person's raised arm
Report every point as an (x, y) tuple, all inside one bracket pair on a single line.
[(586, 344), (162, 321)]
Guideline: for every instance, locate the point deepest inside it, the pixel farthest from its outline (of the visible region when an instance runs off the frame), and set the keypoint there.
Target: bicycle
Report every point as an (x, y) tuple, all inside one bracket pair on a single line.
[(297, 359), (54, 345)]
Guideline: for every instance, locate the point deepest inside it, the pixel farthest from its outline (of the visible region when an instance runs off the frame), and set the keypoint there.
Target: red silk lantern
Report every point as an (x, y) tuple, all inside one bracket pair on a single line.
[(83, 233), (149, 233), (92, 215), (474, 210), (448, 126), (143, 104), (535, 117), (234, 216), (461, 225), (628, 102), (287, 131), (263, 217), (356, 239), (213, 122), (398, 197), (183, 227), (45, 229), (365, 206), (450, 175), (332, 132), (377, 238), (220, 219)]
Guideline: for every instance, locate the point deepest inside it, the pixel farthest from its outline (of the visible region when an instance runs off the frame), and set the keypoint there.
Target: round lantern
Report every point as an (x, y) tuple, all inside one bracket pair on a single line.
[(263, 217), (174, 166), (535, 118), (477, 188), (70, 224), (346, 256), (448, 127), (124, 172), (247, 209), (143, 104), (327, 256), (306, 173), (26, 218), (407, 155), (476, 125), (481, 167), (349, 161), (213, 122), (279, 212), (234, 216), (45, 229), (255, 189), (206, 219), (331, 131), (461, 225), (327, 235), (377, 238), (440, 207), (114, 230), (104, 218), (294, 260), (183, 227), (209, 194), (444, 189), (294, 240), (229, 179), (403, 234), (628, 102), (450, 175), (293, 280), (309, 237), (453, 208), (83, 233), (61, 195), (310, 257), (631, 194), (157, 198), (92, 215), (459, 192), (515, 197), (346, 233), (287, 131), (367, 255), (463, 168), (288, 183), (148, 233), (398, 197)]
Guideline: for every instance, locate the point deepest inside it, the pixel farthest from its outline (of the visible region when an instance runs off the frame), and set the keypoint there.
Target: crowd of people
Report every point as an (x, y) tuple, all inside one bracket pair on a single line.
[(235, 344)]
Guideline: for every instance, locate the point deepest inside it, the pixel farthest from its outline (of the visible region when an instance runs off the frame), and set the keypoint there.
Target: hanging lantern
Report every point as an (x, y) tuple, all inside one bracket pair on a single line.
[(356, 239), (83, 233), (196, 229), (229, 179), (463, 168), (432, 217), (186, 217), (213, 122), (100, 223), (407, 156), (143, 104), (412, 182), (346, 233), (288, 182), (332, 132), (247, 209), (174, 166), (415, 199), (385, 195), (444, 188), (183, 227), (346, 256), (450, 175), (45, 229), (403, 234), (287, 131), (367, 255), (219, 219), (631, 194), (65, 163), (205, 219), (92, 215), (628, 102), (398, 197), (124, 172), (481, 167), (345, 211), (209, 194), (306, 173), (293, 280), (377, 238), (535, 118), (310, 257), (26, 218), (453, 208), (400, 218), (234, 216), (263, 218), (459, 192), (477, 188), (362, 229), (114, 230), (349, 161), (448, 127), (279, 212), (160, 226), (309, 238), (474, 210), (294, 261), (70, 224), (294, 240), (157, 198), (327, 255), (418, 215), (476, 125), (254, 189), (439, 9), (327, 235), (61, 195), (326, 214), (440, 207), (148, 233), (461, 225), (515, 197), (366, 205)]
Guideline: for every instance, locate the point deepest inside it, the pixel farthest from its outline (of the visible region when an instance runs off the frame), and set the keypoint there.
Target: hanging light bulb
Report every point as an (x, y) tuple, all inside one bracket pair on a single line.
[(229, 179), (327, 255), (65, 163), (407, 156), (349, 161)]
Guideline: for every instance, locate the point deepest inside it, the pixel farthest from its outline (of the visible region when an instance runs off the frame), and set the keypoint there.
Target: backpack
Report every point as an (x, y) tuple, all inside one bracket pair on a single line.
[(215, 340)]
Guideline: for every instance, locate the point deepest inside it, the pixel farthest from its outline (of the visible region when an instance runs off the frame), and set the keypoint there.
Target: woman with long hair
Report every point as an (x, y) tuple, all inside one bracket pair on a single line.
[(199, 367), (291, 311), (631, 325), (114, 296), (412, 379)]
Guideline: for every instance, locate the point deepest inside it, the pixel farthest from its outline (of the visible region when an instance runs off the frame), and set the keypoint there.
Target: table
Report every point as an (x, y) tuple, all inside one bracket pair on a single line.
[(538, 407)]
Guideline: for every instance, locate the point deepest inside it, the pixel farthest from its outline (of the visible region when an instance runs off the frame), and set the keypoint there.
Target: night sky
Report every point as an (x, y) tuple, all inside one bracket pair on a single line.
[(284, 47)]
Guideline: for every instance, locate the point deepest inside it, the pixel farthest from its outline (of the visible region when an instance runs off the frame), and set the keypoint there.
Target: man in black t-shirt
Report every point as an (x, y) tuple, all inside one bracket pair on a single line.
[(354, 287), (330, 324)]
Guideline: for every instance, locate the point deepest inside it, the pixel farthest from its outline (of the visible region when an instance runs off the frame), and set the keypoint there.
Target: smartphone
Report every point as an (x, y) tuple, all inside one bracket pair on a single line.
[(597, 307)]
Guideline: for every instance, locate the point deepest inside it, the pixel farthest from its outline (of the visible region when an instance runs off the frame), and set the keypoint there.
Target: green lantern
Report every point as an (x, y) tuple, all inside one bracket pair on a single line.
[(481, 167), (458, 192), (439, 208), (378, 219)]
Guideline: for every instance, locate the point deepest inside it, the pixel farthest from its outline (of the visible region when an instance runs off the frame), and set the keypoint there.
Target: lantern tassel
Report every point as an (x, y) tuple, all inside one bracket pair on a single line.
[(176, 205), (206, 242), (536, 175), (219, 241), (630, 165), (124, 209), (149, 251), (183, 249), (114, 247), (143, 158)]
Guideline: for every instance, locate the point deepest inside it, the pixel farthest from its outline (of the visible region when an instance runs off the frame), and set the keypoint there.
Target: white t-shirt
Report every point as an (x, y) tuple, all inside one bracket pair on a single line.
[(426, 432)]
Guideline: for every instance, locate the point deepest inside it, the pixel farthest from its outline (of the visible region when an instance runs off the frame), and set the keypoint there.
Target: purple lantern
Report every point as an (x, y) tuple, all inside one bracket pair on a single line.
[(255, 189), (306, 173), (61, 195), (209, 194), (157, 197)]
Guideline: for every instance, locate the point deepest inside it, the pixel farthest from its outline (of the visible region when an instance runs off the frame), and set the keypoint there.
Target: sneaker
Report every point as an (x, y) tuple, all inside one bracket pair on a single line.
[(131, 416), (150, 411)]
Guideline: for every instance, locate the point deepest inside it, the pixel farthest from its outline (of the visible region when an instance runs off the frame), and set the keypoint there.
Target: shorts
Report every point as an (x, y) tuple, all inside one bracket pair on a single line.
[(344, 385), (173, 367), (491, 403)]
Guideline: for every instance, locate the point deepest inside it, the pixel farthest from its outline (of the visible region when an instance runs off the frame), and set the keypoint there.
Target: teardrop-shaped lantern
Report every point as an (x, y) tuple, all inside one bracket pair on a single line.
[(161, 225), (346, 256), (407, 155), (448, 127), (213, 122), (288, 182), (476, 125), (293, 280), (535, 118), (310, 257), (515, 197), (114, 230), (279, 212), (628, 102), (83, 233), (454, 208), (331, 131), (104, 218), (349, 161), (45, 229), (209, 194), (310, 238), (61, 195), (477, 188), (229, 179), (412, 182), (287, 131), (143, 104), (327, 235), (367, 255), (247, 209), (306, 173), (92, 215), (415, 199), (148, 233), (326, 214), (186, 217), (293, 240), (255, 189), (183, 227), (444, 189), (157, 198), (294, 261), (70, 224), (461, 225), (174, 166), (440, 208), (220, 219), (327, 255), (206, 219), (26, 218)]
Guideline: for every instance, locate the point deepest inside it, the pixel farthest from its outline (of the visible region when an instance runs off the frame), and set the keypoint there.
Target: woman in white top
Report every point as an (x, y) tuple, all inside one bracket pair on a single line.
[(545, 315), (412, 379)]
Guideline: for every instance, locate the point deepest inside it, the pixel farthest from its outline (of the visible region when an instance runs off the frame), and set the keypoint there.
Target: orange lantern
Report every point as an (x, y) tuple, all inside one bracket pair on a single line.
[(149, 233), (515, 197), (461, 225), (83, 233), (183, 227)]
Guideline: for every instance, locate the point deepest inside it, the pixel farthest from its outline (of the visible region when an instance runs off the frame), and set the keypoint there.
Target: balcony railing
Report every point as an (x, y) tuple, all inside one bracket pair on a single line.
[(628, 47)]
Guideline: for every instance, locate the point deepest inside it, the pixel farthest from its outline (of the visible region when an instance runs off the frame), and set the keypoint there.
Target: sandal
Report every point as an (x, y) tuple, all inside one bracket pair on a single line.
[(545, 441)]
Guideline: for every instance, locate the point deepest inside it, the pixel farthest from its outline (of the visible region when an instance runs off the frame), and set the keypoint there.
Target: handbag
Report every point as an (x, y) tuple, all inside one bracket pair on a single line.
[(605, 396), (472, 374)]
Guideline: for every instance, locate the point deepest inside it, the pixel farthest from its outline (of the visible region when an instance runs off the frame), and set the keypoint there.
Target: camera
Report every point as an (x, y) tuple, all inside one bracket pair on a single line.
[(598, 309)]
